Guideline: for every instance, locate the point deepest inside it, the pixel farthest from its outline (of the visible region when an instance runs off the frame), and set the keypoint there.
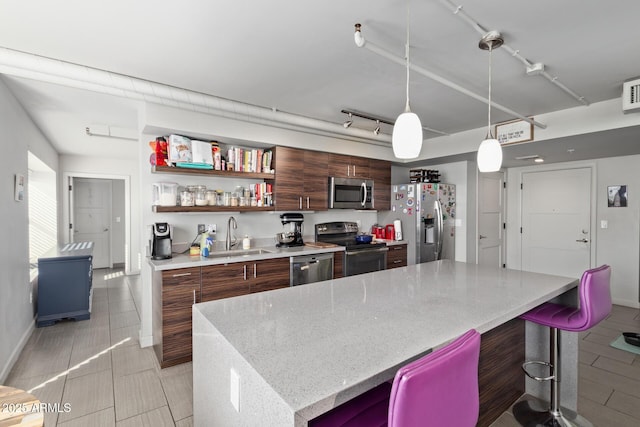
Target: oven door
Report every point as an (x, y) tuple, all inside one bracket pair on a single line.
[(349, 193), (359, 261)]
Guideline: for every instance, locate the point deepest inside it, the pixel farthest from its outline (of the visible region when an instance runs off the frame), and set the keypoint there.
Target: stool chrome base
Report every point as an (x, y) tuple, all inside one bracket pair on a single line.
[(531, 413)]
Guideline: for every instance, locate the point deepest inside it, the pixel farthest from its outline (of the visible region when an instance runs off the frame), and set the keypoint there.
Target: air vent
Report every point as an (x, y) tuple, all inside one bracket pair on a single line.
[(631, 96)]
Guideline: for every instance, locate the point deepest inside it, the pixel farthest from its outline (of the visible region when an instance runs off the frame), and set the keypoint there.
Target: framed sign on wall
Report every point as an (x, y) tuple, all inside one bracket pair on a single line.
[(514, 132)]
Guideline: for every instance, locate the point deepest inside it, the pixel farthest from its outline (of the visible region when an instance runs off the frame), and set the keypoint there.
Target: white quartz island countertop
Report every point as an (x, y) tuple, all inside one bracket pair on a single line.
[(300, 351)]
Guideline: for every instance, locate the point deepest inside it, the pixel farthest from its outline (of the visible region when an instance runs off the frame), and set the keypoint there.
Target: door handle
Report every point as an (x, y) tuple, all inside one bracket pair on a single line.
[(482, 237), (582, 240)]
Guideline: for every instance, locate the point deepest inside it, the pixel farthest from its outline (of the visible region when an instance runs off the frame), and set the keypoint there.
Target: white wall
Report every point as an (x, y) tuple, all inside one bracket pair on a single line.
[(118, 210), (618, 245), (19, 135)]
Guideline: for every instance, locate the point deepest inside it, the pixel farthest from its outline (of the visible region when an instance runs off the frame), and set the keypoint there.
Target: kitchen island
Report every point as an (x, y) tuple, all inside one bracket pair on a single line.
[(284, 357)]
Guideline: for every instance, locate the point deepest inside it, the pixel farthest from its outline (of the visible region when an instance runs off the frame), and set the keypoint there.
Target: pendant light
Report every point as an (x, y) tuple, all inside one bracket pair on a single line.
[(406, 138), (490, 152)]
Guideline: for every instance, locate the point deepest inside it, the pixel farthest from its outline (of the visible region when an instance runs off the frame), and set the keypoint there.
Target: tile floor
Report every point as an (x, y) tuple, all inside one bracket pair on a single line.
[(98, 367)]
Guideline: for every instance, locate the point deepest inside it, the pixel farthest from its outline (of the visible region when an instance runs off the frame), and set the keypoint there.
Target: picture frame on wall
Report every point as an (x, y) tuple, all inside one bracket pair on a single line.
[(617, 196), (19, 187)]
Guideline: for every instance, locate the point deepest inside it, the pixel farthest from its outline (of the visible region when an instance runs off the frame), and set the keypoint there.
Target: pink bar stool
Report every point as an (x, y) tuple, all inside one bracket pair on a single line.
[(439, 389), (595, 304)]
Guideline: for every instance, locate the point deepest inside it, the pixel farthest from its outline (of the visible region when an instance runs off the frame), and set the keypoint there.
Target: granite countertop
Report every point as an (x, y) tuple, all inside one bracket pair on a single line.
[(315, 343), (224, 257), (257, 253)]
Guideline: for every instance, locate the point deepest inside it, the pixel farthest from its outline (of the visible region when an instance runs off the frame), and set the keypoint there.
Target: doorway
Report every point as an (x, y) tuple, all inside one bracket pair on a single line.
[(491, 196), (97, 209), (556, 221)]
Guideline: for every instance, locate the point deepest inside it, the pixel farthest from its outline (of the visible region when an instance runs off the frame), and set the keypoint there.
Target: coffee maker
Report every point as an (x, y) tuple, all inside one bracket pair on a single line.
[(160, 241), (294, 220)]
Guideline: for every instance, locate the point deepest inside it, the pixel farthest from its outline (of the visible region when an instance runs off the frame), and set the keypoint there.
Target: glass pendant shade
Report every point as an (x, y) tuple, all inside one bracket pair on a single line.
[(407, 136), (489, 155)]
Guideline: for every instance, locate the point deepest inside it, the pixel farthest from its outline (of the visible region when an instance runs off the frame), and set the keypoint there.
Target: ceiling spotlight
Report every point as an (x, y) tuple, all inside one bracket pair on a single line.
[(538, 160), (376, 131), (349, 122)]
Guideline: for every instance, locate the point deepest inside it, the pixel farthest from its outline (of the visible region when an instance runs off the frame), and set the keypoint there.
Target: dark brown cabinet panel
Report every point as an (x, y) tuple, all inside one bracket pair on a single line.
[(269, 274), (224, 281), (300, 179), (397, 256), (180, 290), (338, 265), (348, 166), (315, 195), (380, 171)]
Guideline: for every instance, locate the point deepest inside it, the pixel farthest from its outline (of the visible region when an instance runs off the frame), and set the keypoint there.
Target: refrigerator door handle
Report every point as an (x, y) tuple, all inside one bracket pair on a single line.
[(440, 226)]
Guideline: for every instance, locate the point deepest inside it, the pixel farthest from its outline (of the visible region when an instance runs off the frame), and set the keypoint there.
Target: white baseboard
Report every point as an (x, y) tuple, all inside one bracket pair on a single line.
[(626, 303), (16, 352), (146, 340)]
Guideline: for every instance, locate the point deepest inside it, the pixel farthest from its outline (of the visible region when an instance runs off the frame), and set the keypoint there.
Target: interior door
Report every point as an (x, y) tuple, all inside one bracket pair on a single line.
[(92, 217), (556, 221), (490, 218)]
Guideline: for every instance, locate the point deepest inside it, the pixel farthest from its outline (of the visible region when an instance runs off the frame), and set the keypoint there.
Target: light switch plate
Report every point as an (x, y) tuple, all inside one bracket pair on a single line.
[(234, 388), (604, 223)]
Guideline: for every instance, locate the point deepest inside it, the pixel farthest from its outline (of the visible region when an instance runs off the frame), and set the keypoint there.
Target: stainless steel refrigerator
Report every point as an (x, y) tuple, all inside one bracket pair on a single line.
[(427, 212)]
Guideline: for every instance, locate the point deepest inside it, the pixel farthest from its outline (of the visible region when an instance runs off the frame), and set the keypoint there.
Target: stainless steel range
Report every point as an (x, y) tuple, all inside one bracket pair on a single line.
[(358, 257)]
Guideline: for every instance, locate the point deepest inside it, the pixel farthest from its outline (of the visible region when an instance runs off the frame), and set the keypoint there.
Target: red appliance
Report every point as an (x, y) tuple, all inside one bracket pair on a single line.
[(390, 232), (378, 231)]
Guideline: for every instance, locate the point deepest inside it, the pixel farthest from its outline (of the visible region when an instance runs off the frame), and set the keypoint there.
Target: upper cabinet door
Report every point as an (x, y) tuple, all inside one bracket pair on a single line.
[(380, 171), (289, 186), (348, 166), (316, 181)]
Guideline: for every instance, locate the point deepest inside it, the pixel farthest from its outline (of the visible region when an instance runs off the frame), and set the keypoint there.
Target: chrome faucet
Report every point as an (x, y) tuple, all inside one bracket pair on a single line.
[(229, 241)]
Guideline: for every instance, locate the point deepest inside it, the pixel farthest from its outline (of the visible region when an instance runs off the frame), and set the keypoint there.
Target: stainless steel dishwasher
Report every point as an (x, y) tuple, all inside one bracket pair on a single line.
[(310, 268)]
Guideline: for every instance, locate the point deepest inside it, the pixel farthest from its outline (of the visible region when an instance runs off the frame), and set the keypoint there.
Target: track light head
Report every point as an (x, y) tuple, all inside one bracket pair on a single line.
[(349, 122), (376, 131)]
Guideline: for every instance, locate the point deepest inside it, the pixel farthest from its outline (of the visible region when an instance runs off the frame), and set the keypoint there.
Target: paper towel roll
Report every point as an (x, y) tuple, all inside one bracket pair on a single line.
[(397, 225)]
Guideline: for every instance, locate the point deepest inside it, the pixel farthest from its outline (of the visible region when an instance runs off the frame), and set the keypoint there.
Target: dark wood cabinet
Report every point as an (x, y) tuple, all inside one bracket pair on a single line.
[(397, 256), (242, 278), (316, 181), (269, 274), (380, 171), (348, 166), (300, 179), (224, 281), (180, 290), (338, 265)]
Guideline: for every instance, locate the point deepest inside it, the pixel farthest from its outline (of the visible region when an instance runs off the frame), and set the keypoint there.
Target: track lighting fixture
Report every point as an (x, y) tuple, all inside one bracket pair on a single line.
[(349, 121), (378, 120)]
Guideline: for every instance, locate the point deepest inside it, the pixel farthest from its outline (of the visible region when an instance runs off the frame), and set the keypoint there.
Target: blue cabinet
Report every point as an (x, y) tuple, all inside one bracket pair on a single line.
[(65, 276)]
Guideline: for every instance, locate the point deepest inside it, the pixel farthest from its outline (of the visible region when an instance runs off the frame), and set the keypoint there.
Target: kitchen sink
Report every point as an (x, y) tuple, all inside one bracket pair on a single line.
[(239, 252)]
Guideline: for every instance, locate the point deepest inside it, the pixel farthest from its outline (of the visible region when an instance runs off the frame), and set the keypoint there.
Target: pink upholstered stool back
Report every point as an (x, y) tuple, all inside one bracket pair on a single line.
[(437, 390), (595, 304), (440, 389)]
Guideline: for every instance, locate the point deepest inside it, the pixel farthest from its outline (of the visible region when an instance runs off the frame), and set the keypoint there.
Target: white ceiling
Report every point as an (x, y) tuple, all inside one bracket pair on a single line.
[(300, 57)]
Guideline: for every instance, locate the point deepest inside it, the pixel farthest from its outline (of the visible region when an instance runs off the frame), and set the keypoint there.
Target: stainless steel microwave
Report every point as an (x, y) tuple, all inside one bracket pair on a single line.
[(350, 193)]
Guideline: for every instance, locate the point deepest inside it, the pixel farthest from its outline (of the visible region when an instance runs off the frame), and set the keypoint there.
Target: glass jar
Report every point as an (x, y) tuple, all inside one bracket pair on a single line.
[(201, 196), (187, 198), (234, 199), (212, 197), (226, 198), (242, 201)]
